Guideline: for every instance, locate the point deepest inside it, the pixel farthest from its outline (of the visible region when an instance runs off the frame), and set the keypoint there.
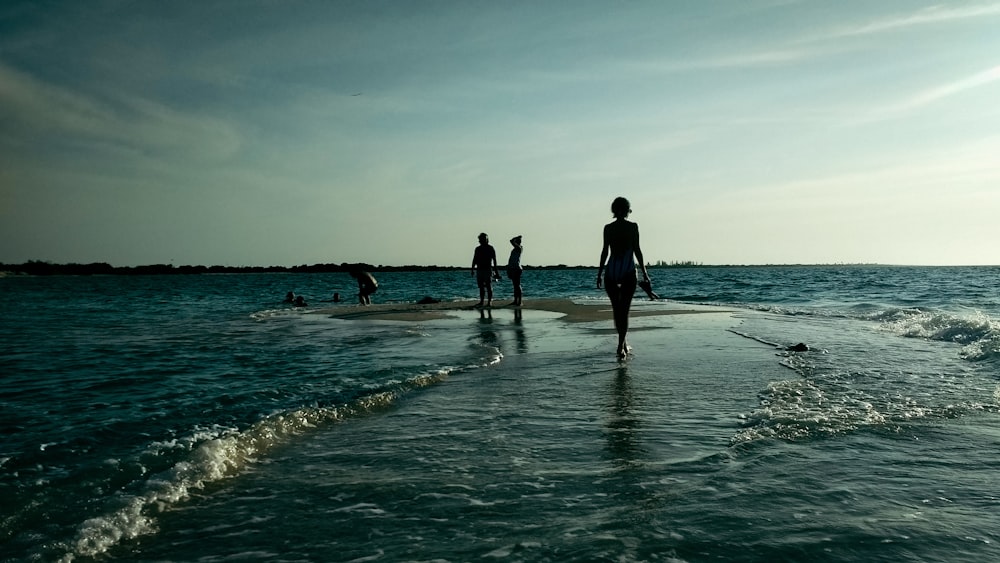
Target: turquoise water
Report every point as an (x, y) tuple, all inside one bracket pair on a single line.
[(198, 418)]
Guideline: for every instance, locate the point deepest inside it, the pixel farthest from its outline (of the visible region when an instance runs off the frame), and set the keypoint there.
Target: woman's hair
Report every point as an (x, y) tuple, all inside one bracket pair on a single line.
[(620, 207)]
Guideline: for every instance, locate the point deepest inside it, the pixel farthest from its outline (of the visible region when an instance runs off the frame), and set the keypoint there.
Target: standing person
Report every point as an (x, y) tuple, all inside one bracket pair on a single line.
[(514, 268), (483, 257), (366, 285), (621, 241)]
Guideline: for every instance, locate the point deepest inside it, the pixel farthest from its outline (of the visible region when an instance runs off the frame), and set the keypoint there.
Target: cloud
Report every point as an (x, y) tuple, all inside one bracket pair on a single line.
[(927, 97), (951, 89), (41, 106), (39, 113), (740, 61), (926, 16), (915, 177)]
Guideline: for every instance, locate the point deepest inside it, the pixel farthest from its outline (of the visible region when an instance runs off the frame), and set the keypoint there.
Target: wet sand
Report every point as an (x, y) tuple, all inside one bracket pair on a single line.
[(571, 311), (559, 451)]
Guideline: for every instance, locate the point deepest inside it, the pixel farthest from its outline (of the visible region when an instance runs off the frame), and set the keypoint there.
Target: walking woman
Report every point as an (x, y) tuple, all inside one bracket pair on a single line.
[(621, 243)]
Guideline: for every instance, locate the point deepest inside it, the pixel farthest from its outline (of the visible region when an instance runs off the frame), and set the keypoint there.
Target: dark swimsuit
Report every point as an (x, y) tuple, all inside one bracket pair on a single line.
[(621, 265)]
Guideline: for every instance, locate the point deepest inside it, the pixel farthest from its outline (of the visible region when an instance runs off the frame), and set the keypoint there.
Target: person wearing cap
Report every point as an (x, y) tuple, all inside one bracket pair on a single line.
[(485, 257), (514, 268)]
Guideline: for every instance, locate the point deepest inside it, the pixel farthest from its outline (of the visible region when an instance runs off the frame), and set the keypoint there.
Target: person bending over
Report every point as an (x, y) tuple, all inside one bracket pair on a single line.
[(366, 285)]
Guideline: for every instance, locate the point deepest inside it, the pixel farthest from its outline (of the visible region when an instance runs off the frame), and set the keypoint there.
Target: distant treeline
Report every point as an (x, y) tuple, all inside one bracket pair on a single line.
[(40, 268), (676, 264)]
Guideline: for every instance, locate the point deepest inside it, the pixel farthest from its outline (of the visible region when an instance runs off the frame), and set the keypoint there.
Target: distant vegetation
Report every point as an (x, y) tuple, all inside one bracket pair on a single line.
[(676, 264), (41, 268)]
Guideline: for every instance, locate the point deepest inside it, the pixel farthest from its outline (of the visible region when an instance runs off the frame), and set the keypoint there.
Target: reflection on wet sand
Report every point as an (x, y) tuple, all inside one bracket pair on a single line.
[(571, 312), (490, 331), (623, 425)]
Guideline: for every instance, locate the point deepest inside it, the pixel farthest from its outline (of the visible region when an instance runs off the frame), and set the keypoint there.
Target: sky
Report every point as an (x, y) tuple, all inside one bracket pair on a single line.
[(265, 132)]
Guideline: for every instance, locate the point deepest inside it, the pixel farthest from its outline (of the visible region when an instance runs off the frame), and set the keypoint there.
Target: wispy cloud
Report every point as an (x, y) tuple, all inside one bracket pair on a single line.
[(951, 89), (929, 96), (965, 168), (41, 106), (926, 16), (41, 111), (739, 60)]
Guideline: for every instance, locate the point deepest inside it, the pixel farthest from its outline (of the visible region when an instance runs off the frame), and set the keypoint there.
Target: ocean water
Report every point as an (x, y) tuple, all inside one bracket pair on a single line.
[(198, 418)]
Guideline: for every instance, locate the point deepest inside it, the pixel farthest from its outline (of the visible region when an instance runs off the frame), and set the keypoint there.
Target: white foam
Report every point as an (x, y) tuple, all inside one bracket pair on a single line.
[(216, 454)]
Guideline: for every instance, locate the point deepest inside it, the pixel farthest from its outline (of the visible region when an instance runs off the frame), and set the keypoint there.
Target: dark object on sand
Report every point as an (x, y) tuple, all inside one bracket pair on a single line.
[(800, 347), (428, 300), (648, 288)]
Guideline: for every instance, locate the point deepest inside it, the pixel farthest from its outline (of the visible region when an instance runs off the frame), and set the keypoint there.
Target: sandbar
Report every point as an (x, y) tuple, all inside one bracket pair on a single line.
[(571, 311)]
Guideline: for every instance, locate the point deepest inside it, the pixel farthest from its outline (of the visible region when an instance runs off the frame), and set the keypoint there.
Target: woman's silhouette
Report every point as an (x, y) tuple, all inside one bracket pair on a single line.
[(621, 242)]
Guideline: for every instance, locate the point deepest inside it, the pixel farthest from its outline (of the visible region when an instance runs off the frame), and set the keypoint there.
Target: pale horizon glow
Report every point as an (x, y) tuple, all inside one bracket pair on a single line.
[(264, 133)]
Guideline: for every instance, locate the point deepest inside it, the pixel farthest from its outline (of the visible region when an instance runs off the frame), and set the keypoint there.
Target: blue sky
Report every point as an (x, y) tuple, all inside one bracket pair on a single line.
[(283, 133)]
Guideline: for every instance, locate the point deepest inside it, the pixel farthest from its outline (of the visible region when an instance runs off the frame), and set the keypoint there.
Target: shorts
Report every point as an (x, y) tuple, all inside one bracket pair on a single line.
[(484, 277)]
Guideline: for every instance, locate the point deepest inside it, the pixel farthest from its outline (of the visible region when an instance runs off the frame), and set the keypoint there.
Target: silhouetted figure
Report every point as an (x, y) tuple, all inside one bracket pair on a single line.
[(621, 243), (366, 285), (336, 297), (514, 268), (300, 301), (290, 297), (485, 257)]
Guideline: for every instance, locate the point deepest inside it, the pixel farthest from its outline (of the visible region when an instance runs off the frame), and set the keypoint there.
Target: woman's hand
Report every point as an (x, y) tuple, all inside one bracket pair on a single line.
[(598, 281)]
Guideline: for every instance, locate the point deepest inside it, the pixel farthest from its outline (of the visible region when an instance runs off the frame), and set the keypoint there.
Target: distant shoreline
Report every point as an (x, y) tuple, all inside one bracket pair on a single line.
[(40, 268)]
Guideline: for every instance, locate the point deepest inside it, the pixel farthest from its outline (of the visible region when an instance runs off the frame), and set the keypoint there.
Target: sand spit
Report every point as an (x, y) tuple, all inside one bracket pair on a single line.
[(573, 312)]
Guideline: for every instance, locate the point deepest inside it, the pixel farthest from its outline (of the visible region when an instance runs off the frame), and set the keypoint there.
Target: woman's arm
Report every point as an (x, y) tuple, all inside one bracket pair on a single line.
[(638, 253), (496, 269), (604, 256)]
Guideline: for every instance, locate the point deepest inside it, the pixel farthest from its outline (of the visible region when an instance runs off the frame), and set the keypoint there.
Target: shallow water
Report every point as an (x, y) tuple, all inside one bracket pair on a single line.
[(198, 418)]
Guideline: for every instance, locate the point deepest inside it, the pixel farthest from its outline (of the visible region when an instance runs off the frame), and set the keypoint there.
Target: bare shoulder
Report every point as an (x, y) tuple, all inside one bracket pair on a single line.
[(623, 226)]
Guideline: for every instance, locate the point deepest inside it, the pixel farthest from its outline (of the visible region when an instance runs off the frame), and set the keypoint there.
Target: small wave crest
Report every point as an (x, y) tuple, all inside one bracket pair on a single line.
[(805, 409), (799, 409), (276, 313), (213, 454), (978, 333)]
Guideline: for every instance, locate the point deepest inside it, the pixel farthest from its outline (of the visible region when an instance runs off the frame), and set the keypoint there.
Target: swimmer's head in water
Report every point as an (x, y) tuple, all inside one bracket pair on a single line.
[(620, 207)]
